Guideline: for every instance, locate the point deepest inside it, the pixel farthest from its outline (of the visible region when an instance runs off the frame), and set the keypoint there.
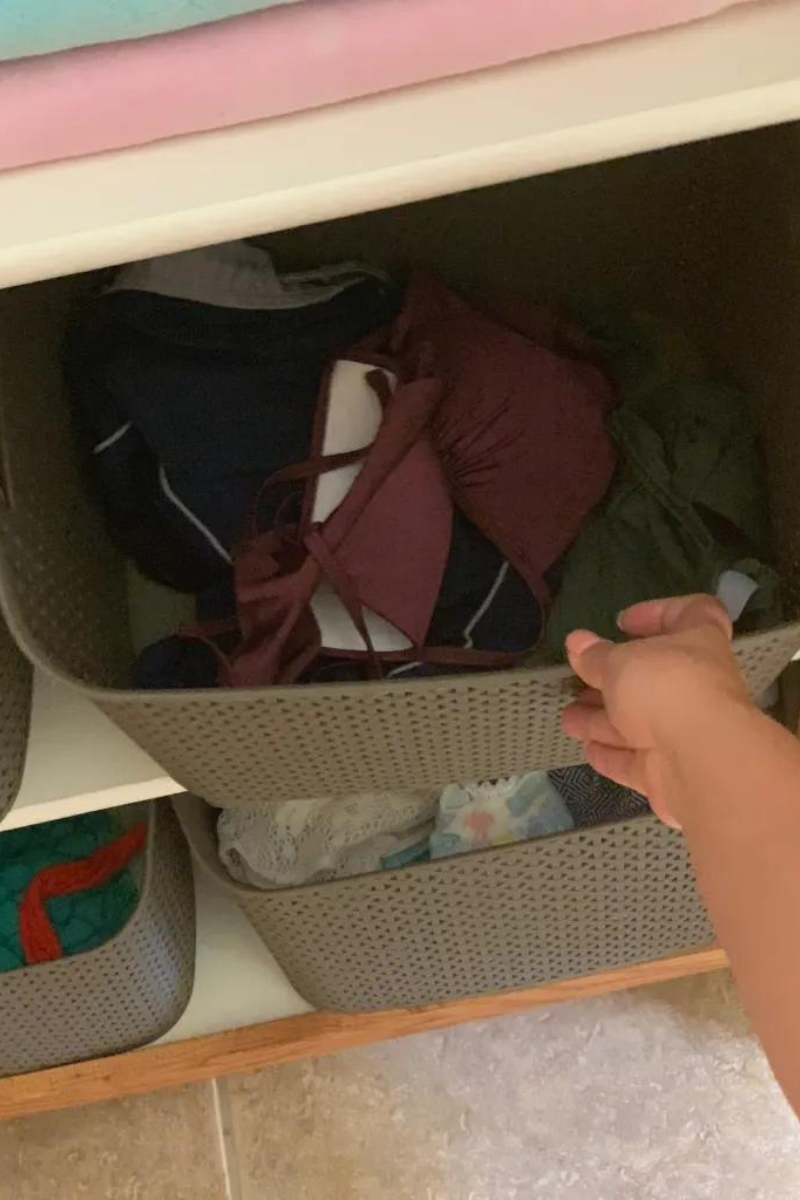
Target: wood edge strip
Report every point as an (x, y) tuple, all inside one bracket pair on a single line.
[(310, 1035)]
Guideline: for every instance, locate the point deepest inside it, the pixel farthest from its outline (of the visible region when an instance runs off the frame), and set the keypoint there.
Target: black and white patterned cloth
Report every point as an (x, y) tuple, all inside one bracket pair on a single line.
[(594, 800)]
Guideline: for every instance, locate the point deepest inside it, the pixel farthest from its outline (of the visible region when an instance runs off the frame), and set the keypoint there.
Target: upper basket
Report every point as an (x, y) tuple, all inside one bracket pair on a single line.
[(63, 590)]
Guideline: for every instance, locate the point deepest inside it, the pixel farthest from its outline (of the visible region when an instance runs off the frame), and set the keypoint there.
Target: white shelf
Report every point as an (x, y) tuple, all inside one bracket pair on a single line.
[(237, 981), (78, 761), (736, 71)]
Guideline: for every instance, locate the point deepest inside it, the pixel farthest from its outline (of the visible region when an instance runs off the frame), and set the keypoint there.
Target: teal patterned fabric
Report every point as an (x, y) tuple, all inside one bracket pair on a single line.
[(84, 920), (41, 26)]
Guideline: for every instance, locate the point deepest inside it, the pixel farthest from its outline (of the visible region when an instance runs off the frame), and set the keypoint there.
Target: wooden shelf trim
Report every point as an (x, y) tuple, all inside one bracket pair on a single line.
[(308, 1036)]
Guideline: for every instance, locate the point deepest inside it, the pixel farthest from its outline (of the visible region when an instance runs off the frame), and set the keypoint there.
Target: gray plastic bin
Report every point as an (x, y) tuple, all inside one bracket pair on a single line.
[(15, 710), (127, 992), (661, 231), (491, 921)]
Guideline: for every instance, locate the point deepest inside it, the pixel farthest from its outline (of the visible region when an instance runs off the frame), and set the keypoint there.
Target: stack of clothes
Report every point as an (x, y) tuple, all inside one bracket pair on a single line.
[(355, 480), (80, 76), (360, 480), (313, 841)]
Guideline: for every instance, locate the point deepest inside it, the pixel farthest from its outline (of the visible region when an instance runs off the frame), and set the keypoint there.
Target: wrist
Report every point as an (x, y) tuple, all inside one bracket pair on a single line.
[(707, 722), (706, 744)]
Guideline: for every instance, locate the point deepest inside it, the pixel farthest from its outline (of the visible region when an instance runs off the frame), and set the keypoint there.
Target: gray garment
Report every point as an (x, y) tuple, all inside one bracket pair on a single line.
[(311, 841)]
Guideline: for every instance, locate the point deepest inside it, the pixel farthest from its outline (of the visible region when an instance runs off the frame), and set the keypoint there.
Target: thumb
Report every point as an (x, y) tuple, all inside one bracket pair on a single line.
[(588, 654)]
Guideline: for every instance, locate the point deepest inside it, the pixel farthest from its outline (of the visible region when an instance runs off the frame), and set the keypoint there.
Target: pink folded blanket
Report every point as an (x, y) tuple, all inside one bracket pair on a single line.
[(285, 59)]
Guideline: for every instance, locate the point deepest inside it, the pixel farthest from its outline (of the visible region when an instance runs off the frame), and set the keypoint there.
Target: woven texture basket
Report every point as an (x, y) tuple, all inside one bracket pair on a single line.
[(15, 711), (63, 589), (125, 993), (491, 921)]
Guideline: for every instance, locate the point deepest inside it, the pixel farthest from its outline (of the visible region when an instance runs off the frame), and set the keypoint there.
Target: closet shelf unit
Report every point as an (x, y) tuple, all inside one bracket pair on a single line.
[(737, 71)]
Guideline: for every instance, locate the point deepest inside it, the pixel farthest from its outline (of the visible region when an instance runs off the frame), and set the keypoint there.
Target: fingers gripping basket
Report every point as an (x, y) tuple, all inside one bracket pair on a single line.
[(63, 589), (128, 991), (492, 921)]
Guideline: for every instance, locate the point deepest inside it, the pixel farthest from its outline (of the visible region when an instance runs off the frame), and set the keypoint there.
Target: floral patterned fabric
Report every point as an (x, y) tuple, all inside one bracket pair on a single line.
[(478, 816)]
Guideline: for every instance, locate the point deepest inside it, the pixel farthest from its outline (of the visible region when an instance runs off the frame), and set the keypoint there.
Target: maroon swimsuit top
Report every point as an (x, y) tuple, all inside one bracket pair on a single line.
[(485, 418)]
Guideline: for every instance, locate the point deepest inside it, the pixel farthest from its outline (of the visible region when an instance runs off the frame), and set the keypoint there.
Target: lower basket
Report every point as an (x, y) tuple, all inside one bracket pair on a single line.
[(127, 992), (491, 921)]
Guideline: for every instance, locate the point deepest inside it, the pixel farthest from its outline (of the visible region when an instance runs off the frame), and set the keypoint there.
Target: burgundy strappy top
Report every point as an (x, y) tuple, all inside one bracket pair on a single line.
[(483, 418)]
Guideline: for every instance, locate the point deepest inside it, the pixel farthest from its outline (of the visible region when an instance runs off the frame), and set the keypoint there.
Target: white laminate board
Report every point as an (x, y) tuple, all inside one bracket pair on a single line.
[(78, 761), (735, 71), (237, 981)]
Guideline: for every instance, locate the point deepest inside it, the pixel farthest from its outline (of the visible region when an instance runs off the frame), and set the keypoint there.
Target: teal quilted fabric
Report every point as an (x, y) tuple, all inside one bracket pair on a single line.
[(41, 26), (84, 920)]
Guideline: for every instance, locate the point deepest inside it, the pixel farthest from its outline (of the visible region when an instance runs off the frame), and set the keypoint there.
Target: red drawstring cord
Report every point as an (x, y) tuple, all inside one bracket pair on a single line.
[(39, 940)]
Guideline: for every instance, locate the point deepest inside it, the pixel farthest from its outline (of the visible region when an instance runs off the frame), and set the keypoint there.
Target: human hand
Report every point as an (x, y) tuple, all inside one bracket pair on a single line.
[(645, 697)]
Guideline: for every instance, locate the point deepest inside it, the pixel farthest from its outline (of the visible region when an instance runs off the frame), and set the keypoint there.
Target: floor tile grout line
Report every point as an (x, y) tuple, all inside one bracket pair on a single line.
[(229, 1153)]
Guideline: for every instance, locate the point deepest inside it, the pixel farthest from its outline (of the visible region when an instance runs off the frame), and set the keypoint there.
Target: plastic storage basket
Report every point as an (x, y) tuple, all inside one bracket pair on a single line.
[(15, 710), (651, 230), (491, 921), (128, 991)]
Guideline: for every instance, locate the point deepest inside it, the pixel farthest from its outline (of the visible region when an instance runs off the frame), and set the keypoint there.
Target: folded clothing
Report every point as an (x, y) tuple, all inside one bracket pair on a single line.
[(481, 815), (194, 378), (42, 26), (594, 800), (65, 887), (284, 845), (311, 841), (290, 57), (687, 505)]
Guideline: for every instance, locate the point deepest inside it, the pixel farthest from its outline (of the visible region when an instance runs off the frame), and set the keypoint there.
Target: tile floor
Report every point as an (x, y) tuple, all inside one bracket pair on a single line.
[(647, 1095)]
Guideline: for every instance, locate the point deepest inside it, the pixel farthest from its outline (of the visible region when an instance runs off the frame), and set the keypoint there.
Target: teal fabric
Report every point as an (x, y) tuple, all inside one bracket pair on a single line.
[(42, 26), (83, 921), (418, 853), (688, 498)]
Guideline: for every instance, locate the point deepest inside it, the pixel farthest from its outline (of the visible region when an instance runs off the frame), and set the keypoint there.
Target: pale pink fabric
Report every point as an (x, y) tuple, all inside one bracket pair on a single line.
[(285, 59)]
